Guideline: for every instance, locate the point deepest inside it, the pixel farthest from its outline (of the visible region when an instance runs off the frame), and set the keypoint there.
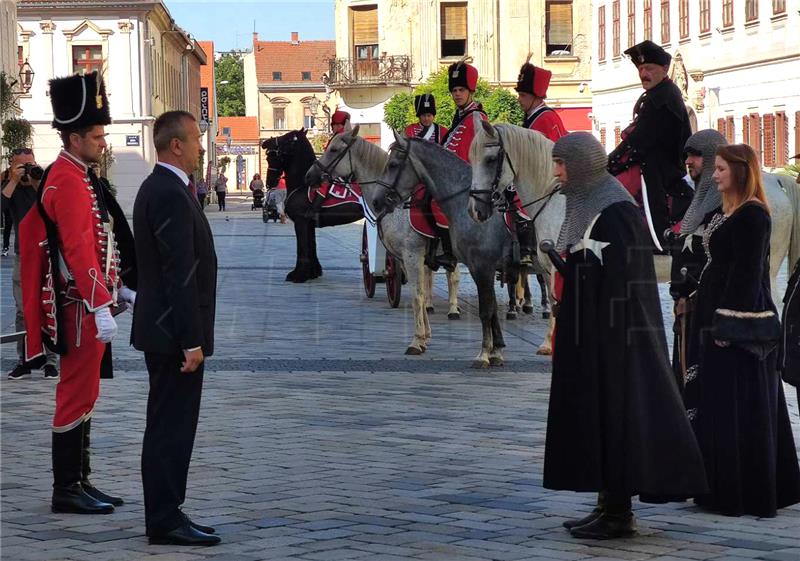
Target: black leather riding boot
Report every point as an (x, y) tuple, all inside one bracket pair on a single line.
[(591, 517), (446, 259), (430, 254), (316, 208), (527, 243), (616, 520), (86, 470), (68, 494)]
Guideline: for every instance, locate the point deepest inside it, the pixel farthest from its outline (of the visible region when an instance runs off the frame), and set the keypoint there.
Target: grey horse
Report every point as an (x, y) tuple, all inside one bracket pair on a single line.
[(483, 248), (348, 155)]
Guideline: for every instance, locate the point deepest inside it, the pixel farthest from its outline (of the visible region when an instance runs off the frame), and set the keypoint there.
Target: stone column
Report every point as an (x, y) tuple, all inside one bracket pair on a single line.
[(47, 27), (126, 65)]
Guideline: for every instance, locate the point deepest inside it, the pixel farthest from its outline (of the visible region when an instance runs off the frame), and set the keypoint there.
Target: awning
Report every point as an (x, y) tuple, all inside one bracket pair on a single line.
[(575, 118)]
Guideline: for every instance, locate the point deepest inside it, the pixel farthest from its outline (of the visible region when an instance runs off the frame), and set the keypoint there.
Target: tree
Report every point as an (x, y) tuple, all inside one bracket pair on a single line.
[(230, 96), (500, 104)]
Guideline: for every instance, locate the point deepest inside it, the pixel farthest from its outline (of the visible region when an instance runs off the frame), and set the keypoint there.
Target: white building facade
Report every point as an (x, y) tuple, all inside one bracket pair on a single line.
[(737, 63)]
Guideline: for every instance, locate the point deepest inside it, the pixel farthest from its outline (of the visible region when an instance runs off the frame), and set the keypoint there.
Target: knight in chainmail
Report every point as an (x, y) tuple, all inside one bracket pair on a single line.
[(616, 423), (688, 255)]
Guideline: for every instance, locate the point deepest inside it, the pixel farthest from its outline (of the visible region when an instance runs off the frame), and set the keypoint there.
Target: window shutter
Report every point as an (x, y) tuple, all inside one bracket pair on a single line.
[(746, 129), (768, 140), (560, 19), (454, 22), (365, 25), (730, 129), (721, 126), (603, 136), (797, 135), (617, 136), (781, 137)]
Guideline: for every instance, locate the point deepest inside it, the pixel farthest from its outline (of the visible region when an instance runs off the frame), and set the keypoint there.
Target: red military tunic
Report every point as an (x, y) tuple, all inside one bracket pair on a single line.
[(546, 121), (84, 282), (435, 132)]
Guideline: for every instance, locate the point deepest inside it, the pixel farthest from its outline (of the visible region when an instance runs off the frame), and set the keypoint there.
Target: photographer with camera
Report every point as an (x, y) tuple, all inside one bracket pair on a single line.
[(20, 183)]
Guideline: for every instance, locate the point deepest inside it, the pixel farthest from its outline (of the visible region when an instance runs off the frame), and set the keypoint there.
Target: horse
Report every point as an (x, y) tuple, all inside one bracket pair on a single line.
[(350, 156), (293, 155), (505, 155), (483, 248)]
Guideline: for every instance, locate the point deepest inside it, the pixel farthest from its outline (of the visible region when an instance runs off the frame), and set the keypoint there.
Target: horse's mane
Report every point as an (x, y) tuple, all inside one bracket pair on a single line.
[(370, 156), (530, 152)]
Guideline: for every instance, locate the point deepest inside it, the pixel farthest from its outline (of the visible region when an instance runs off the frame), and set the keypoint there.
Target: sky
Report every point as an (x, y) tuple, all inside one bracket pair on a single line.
[(229, 23)]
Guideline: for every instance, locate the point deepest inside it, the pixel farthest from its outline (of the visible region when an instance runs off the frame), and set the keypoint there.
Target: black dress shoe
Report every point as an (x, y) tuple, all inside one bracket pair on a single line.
[(607, 527), (184, 534), (196, 526), (74, 499), (100, 496), (591, 517)]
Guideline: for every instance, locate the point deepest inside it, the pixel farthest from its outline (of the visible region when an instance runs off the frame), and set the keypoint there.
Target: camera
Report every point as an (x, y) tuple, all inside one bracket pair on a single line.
[(32, 172)]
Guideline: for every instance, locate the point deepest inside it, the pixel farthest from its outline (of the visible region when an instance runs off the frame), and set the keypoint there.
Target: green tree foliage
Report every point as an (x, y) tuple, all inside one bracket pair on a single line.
[(230, 96), (500, 104)]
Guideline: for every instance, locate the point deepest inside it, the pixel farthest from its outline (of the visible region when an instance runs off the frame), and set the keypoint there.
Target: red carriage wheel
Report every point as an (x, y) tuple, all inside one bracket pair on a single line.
[(394, 280), (369, 278)]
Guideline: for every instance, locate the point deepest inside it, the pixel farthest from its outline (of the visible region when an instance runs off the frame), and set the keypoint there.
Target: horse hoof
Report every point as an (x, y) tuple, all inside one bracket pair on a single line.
[(496, 361), (528, 309), (478, 364), (511, 315), (414, 351), (429, 309), (454, 315), (544, 351), (545, 315)]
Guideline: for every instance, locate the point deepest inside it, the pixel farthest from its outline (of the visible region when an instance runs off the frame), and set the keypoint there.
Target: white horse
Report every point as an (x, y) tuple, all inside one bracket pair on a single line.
[(352, 156), (532, 175)]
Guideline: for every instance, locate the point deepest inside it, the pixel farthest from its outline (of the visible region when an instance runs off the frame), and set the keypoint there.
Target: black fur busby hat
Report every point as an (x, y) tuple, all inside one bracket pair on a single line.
[(648, 52), (79, 101), (424, 103)]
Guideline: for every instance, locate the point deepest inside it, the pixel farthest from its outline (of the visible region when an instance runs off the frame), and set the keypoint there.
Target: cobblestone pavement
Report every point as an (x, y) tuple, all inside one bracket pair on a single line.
[(319, 440)]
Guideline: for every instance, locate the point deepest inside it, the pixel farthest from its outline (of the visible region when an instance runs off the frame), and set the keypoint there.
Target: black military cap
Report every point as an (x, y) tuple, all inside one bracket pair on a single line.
[(648, 52)]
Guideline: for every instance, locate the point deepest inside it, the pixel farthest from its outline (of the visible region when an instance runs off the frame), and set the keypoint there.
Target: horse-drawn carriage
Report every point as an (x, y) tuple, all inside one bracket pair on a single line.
[(377, 264)]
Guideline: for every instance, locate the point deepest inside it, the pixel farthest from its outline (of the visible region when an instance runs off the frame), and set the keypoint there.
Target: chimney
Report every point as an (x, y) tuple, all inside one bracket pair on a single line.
[(295, 38)]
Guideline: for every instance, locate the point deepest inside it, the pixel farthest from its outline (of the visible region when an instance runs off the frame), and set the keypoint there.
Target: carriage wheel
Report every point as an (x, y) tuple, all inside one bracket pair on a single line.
[(394, 281), (369, 278)]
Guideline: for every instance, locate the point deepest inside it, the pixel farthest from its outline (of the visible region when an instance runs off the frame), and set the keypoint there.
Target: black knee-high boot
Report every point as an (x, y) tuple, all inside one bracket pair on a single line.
[(86, 470), (68, 493), (446, 259)]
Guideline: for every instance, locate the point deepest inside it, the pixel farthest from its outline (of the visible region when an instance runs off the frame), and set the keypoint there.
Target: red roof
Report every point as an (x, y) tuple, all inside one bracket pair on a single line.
[(207, 74), (291, 60), (243, 129)]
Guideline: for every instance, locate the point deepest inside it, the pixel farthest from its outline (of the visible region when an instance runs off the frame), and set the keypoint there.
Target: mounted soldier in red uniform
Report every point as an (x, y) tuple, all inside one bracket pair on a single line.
[(72, 276), (340, 122)]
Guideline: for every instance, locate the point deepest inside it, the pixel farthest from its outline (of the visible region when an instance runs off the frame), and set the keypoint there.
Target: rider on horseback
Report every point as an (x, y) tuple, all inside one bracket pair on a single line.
[(340, 122)]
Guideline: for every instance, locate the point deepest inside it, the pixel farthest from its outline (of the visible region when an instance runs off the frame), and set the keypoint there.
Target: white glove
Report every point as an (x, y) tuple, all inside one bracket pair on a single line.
[(106, 326), (125, 294)]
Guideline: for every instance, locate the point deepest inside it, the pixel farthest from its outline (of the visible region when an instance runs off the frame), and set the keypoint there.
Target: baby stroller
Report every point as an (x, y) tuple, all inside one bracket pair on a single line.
[(270, 211), (258, 199)]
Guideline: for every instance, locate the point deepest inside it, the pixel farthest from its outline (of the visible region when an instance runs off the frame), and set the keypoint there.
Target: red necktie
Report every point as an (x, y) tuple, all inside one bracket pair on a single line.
[(192, 188)]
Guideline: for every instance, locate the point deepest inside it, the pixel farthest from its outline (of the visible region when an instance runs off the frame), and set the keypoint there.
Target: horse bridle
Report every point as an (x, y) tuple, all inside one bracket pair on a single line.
[(494, 195), (326, 172), (393, 196)]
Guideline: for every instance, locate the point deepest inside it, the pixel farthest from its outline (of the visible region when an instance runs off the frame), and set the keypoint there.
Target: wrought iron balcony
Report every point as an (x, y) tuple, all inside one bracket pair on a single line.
[(385, 70)]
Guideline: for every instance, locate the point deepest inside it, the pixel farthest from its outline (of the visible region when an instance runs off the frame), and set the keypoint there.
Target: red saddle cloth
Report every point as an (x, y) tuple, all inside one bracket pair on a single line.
[(418, 217), (336, 194)]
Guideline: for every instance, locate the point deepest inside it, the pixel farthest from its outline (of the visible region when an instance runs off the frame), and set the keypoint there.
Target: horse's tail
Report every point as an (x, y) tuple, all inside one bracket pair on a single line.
[(793, 192)]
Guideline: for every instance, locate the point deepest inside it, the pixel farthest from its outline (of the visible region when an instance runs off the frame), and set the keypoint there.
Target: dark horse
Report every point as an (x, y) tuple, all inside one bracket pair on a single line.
[(292, 154)]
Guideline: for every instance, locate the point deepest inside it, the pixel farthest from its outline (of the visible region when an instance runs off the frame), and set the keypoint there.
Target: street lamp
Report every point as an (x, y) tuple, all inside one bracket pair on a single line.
[(26, 75), (203, 125)]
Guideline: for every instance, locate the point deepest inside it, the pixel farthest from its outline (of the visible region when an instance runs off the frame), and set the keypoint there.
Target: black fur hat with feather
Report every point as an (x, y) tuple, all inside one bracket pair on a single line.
[(79, 101)]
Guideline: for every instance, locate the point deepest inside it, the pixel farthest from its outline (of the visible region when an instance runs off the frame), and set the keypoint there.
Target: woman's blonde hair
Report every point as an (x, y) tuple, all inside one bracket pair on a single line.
[(745, 173)]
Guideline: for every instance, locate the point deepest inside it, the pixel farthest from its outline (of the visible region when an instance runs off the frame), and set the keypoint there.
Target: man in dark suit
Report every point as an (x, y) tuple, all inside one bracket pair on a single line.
[(173, 324)]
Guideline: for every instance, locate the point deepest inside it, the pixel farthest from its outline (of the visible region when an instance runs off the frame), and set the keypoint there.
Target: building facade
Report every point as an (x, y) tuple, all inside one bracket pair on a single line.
[(148, 63), (384, 47), (238, 139), (208, 110), (737, 63), (284, 86)]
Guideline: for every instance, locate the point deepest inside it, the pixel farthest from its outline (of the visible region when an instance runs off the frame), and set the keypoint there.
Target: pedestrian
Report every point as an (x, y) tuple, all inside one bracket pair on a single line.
[(649, 159), (71, 282), (688, 255), (221, 188), (173, 324), (734, 396), (202, 191), (19, 184), (789, 362), (256, 184), (616, 424), (279, 196)]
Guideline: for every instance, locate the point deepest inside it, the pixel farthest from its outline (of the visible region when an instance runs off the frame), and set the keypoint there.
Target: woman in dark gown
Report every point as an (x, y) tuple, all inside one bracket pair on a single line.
[(734, 396)]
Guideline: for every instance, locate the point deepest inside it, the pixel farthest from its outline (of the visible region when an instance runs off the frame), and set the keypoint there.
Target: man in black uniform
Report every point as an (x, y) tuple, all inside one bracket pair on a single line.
[(649, 159)]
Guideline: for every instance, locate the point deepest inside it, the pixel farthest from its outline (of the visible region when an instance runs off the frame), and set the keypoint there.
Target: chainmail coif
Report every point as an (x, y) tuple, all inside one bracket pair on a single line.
[(706, 197), (589, 187)]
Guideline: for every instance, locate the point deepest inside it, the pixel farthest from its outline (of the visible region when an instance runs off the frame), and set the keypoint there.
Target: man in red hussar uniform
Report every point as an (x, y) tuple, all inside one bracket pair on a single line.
[(340, 122), (462, 79), (425, 108), (70, 270), (532, 84)]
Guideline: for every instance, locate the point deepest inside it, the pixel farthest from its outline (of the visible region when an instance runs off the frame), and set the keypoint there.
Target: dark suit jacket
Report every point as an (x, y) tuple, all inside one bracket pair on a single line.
[(177, 268)]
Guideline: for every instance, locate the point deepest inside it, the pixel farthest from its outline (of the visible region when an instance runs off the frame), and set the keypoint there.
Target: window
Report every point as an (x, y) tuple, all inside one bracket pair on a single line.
[(306, 76), (683, 19), (705, 16), (778, 6), (454, 29), (601, 33), (615, 28), (226, 131), (768, 140), (664, 22), (277, 76), (558, 27), (87, 58), (617, 135), (730, 129), (603, 136), (308, 118), (750, 10), (753, 136), (648, 19), (727, 13), (279, 118), (631, 23), (781, 139), (20, 56)]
